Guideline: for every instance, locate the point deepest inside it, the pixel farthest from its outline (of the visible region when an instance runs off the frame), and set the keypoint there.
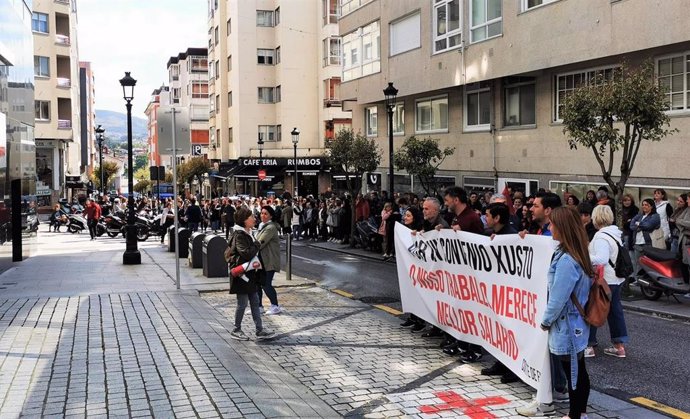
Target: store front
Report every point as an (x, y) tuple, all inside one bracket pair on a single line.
[(243, 175)]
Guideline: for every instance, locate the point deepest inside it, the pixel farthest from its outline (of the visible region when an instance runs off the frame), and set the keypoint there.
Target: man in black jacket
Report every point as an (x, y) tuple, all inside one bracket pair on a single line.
[(193, 215)]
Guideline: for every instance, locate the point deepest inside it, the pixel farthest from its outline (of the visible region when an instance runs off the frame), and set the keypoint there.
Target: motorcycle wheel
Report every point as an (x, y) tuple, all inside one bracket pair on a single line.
[(142, 234), (651, 294), (72, 229), (111, 234)]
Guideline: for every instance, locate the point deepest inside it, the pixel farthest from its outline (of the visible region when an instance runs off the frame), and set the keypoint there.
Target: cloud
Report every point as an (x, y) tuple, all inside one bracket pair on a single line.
[(136, 36)]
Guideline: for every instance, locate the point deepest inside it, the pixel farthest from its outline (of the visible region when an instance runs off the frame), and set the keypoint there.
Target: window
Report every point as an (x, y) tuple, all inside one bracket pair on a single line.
[(362, 52), (198, 64), (174, 72), (478, 106), (519, 105), (277, 94), (217, 101), (175, 94), (199, 90), (399, 119), (332, 92), (268, 133), (371, 121), (446, 25), (277, 55), (486, 19), (330, 11), (331, 51), (230, 134), (216, 35), (530, 4), (229, 99), (674, 80), (567, 83), (264, 18), (347, 6), (266, 95), (405, 34), (229, 62), (216, 68), (276, 17), (229, 27), (39, 22), (265, 56), (431, 115), (42, 109), (212, 105), (41, 66), (279, 132)]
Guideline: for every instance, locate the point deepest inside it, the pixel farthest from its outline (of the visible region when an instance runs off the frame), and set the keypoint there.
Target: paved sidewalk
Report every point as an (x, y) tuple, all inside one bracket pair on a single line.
[(83, 335)]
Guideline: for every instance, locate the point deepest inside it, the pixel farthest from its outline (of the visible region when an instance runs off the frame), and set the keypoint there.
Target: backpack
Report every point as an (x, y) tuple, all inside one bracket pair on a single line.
[(596, 311), (623, 265), (230, 250)]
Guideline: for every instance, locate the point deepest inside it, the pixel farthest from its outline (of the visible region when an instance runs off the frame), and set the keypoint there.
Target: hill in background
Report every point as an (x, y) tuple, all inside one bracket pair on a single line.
[(115, 125)]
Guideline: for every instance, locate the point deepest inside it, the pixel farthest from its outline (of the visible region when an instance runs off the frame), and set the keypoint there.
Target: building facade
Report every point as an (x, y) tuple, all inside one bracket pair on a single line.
[(269, 74), (87, 109), (57, 101), (17, 148), (159, 97), (490, 77)]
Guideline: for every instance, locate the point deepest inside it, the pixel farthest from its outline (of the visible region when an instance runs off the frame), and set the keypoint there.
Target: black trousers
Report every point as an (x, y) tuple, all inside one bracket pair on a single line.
[(92, 227), (579, 396)]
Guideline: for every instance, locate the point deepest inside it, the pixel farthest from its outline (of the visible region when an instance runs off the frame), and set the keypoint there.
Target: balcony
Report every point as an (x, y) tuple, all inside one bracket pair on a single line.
[(62, 2), (332, 103), (64, 124), (62, 39), (64, 82)]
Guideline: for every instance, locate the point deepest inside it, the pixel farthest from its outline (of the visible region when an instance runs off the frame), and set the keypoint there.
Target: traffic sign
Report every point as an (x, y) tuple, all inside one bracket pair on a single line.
[(262, 174), (196, 149)]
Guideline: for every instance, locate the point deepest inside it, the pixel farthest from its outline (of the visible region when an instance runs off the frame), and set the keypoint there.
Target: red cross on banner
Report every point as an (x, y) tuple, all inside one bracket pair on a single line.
[(473, 408)]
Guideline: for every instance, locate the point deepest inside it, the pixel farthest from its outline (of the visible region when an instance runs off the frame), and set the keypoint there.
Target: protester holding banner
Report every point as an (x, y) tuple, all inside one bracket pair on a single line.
[(413, 220), (570, 273), (246, 286)]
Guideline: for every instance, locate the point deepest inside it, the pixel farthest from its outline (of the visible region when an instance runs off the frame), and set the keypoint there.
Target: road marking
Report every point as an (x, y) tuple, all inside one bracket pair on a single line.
[(661, 407), (388, 309), (343, 293)]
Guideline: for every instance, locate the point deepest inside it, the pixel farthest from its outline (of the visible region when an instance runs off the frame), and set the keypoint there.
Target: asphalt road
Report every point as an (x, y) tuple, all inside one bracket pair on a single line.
[(658, 356)]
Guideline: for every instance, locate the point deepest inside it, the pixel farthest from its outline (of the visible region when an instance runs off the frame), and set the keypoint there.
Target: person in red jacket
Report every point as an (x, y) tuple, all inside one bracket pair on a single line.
[(361, 208), (93, 214)]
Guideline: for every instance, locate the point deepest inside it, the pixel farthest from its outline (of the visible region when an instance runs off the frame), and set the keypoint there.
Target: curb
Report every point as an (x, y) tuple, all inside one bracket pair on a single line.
[(346, 252), (658, 313)]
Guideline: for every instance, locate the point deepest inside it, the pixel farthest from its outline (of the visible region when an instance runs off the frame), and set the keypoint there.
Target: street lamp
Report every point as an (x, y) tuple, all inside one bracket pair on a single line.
[(99, 139), (390, 92), (260, 143), (131, 255), (295, 140)]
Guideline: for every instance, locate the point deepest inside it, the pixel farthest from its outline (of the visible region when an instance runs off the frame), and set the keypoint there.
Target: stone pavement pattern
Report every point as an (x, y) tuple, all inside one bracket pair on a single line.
[(83, 335)]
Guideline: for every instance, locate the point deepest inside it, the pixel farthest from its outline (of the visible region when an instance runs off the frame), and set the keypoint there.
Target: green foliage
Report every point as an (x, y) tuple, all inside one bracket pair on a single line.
[(421, 158), (168, 177), (194, 167), (110, 169), (142, 186), (141, 161), (142, 173), (609, 117), (354, 154)]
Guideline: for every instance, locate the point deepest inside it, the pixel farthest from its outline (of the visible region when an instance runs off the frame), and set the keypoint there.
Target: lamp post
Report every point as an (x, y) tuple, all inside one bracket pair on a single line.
[(260, 143), (390, 92), (295, 140), (131, 255), (99, 140)]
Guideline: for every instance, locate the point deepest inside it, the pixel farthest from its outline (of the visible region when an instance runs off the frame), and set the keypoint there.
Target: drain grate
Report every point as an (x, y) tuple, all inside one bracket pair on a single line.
[(378, 300)]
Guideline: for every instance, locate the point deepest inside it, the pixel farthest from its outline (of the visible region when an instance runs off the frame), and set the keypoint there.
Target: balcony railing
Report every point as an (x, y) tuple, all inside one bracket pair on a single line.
[(62, 1), (64, 124), (62, 39), (332, 103), (64, 82)]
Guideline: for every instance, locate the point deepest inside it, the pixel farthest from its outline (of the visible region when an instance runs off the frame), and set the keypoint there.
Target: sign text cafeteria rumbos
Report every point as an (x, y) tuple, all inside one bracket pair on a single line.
[(306, 161)]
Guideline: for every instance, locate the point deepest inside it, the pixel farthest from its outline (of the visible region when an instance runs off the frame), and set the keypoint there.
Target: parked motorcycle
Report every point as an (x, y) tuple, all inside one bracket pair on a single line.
[(114, 224), (661, 273), (76, 223), (30, 223)]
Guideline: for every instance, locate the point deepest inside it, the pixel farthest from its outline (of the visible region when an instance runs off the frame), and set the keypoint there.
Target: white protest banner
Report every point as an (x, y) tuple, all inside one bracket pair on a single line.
[(487, 292)]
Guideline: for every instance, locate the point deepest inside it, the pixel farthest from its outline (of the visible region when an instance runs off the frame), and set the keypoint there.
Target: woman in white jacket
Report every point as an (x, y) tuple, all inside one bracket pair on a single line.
[(603, 250)]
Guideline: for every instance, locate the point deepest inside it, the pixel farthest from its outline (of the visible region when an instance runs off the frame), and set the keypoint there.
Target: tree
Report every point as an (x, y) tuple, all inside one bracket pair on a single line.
[(611, 116), (142, 185), (141, 161), (354, 155), (142, 173), (110, 168), (194, 167), (421, 159)]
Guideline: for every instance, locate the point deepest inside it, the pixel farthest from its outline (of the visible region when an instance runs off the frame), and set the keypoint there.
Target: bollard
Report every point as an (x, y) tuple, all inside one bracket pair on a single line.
[(288, 249)]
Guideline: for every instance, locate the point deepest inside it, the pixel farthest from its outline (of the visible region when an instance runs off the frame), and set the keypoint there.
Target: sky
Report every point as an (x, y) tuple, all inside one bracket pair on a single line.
[(136, 36)]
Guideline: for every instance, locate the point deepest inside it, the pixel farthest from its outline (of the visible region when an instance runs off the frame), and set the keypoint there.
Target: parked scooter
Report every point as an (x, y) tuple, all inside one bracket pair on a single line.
[(114, 224), (661, 273), (76, 223)]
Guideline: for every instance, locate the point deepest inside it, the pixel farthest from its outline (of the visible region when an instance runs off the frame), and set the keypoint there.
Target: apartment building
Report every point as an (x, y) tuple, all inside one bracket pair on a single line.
[(57, 97), (159, 97), (87, 109), (188, 75), (274, 66), (490, 77)]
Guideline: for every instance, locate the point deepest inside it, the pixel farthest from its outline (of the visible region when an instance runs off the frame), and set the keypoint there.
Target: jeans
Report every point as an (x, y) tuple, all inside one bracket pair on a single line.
[(616, 320), (558, 375), (296, 231), (579, 396), (215, 225), (253, 301), (92, 227), (268, 287), (635, 256), (192, 226)]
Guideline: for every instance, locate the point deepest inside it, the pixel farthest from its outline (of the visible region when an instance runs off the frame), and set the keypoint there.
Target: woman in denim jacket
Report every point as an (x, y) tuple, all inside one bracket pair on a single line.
[(570, 273)]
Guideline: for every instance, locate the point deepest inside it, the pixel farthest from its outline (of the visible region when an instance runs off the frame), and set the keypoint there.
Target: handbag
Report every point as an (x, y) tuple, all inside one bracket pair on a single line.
[(658, 239)]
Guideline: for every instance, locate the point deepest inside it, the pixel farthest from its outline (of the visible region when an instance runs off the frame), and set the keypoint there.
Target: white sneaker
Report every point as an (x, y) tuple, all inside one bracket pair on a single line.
[(534, 408), (589, 352), (274, 310), (559, 397)]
